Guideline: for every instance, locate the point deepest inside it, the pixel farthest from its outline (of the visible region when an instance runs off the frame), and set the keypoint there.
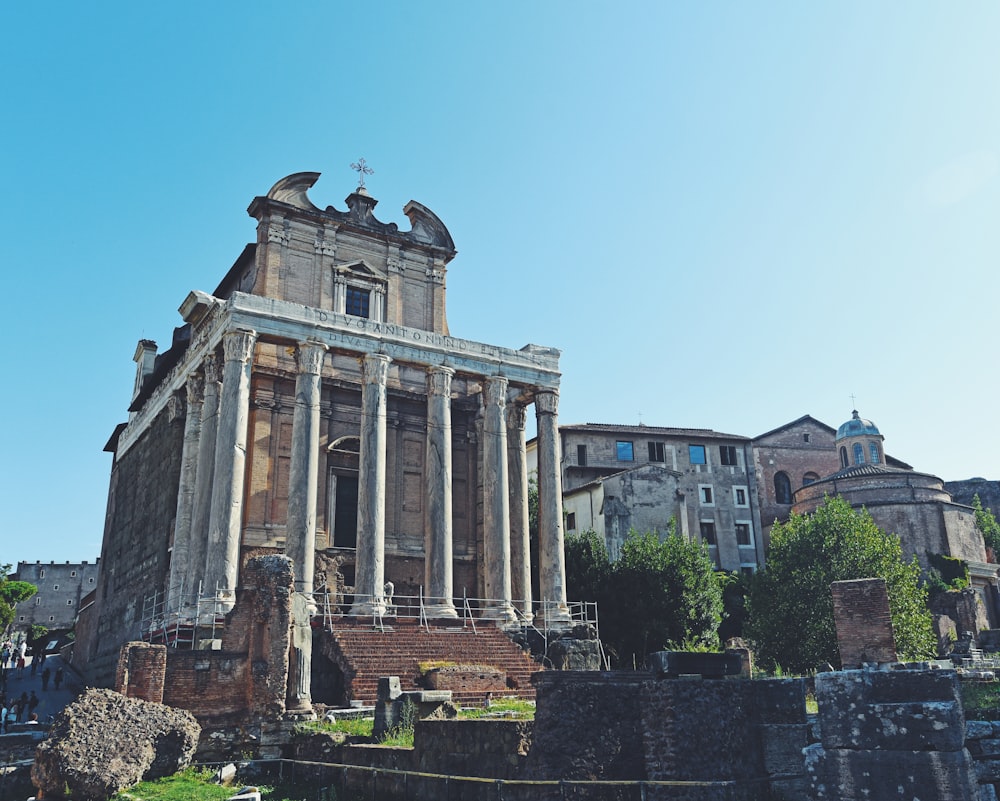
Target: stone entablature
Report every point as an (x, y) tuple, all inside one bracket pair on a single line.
[(280, 322)]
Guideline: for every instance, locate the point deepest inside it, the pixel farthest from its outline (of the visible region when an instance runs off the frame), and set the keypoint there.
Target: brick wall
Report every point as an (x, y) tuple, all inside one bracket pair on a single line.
[(864, 626), (142, 671)]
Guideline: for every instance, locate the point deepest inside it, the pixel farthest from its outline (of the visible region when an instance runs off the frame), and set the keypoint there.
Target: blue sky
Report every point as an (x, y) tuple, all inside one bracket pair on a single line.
[(726, 215)]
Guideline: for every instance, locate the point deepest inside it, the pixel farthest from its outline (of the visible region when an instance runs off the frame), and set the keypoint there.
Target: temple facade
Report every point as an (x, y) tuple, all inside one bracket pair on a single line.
[(317, 405)]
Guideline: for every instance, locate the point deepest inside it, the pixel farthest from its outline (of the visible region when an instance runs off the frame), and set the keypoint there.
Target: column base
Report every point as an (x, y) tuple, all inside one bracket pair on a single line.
[(442, 610), (501, 611), (555, 615), (367, 608)]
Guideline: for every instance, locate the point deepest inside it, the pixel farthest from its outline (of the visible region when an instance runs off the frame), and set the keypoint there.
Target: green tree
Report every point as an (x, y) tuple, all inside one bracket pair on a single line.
[(587, 566), (987, 524), (11, 594), (790, 604), (661, 593)]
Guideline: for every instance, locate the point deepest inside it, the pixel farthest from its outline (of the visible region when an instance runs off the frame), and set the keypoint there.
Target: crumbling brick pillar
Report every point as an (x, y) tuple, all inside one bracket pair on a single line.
[(142, 668), (864, 626)]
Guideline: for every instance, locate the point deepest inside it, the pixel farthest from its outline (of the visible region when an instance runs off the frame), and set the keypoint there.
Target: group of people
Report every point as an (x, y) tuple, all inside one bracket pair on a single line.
[(13, 657), (20, 709)]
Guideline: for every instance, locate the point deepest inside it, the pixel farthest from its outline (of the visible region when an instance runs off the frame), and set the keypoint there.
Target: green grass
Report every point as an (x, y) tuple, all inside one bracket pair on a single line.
[(362, 727), (980, 699), (522, 710), (196, 785)]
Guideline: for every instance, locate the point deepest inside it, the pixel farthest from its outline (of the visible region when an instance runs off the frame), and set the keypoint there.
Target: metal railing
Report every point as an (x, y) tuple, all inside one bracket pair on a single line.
[(190, 621)]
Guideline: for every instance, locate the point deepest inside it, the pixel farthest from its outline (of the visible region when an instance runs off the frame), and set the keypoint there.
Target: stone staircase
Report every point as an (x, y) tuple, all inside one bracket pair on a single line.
[(363, 654)]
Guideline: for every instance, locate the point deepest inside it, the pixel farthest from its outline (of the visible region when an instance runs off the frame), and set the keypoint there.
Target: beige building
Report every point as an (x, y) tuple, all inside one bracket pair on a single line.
[(316, 404), (617, 478), (61, 588)]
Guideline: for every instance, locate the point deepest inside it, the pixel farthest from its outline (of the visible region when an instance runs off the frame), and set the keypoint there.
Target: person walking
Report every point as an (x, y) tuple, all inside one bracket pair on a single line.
[(33, 701), (59, 676), (45, 678), (19, 706)]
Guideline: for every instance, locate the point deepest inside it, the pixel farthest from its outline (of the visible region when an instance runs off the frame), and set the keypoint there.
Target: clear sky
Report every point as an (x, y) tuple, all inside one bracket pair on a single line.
[(726, 215)]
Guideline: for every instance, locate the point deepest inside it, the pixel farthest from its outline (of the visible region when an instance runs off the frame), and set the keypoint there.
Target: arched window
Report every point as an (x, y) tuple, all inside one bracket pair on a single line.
[(843, 456), (782, 488), (859, 453), (809, 478), (874, 449)]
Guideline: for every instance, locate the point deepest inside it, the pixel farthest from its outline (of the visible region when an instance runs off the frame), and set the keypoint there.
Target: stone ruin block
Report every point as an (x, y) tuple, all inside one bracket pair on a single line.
[(847, 775), (707, 665), (429, 705), (876, 709), (104, 742)]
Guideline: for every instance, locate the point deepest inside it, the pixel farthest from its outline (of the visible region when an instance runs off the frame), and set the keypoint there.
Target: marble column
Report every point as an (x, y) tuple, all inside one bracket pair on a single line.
[(198, 545), (496, 502), (222, 564), (551, 557), (369, 578), (300, 529), (438, 568), (303, 472), (520, 541), (179, 587)]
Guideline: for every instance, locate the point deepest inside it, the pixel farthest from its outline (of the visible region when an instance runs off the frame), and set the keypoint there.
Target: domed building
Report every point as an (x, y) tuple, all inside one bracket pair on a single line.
[(915, 506)]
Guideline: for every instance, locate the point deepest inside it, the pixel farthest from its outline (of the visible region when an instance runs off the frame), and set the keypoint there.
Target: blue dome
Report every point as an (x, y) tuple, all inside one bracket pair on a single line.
[(857, 427)]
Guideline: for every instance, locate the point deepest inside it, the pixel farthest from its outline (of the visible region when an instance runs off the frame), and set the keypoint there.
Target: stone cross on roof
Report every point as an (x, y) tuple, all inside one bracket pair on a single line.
[(362, 169)]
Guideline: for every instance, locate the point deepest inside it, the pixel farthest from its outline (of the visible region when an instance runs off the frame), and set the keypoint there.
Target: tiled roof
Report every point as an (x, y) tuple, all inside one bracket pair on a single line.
[(644, 430)]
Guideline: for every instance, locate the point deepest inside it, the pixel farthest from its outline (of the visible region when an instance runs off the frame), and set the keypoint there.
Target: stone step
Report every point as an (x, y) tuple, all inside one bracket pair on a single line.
[(364, 654)]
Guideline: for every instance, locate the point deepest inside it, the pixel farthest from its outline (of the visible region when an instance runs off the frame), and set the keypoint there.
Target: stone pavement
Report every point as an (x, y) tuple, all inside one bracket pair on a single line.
[(52, 700)]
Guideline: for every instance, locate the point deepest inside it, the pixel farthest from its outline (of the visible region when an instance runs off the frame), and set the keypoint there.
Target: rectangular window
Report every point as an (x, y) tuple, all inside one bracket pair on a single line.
[(581, 455), (743, 534), (69, 602), (705, 495), (41, 573), (656, 452), (747, 571), (571, 521), (727, 454), (38, 600), (708, 531), (625, 451), (740, 497), (21, 619), (696, 453), (72, 574), (357, 301), (55, 586)]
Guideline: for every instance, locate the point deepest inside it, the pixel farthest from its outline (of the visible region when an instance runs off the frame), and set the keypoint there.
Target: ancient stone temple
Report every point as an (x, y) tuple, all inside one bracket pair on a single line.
[(316, 405)]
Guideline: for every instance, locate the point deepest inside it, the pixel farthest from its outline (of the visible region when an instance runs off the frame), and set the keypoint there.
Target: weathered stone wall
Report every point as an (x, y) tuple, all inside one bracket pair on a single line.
[(964, 608), (864, 625), (965, 491), (982, 739), (142, 502), (890, 735)]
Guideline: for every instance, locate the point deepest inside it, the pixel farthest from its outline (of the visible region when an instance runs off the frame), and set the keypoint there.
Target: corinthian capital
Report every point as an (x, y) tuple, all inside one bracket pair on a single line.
[(195, 387), (495, 391), (547, 401), (238, 345), (439, 380), (310, 357), (376, 368)]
